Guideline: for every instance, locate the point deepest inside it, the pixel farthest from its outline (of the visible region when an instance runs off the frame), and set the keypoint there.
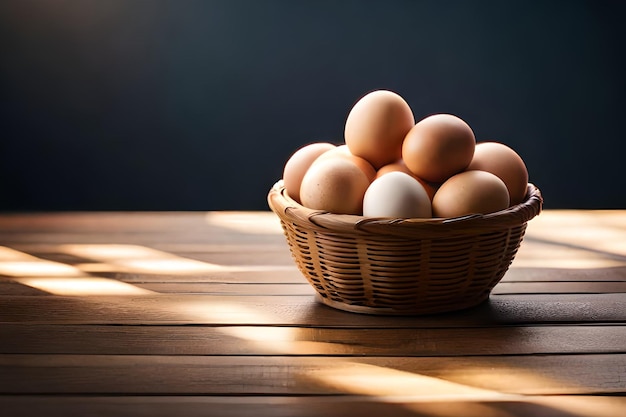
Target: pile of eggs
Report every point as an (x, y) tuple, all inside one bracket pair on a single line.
[(390, 166)]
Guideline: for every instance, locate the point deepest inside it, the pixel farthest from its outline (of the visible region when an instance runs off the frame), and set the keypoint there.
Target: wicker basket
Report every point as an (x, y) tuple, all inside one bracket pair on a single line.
[(402, 266)]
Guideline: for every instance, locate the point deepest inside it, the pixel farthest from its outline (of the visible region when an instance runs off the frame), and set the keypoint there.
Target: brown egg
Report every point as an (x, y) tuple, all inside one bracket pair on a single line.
[(504, 162), (470, 192), (400, 166), (299, 163), (342, 151), (376, 127), (336, 185), (438, 147)]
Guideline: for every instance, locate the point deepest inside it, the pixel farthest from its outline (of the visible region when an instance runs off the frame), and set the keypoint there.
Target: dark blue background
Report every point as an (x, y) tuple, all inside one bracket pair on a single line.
[(196, 105)]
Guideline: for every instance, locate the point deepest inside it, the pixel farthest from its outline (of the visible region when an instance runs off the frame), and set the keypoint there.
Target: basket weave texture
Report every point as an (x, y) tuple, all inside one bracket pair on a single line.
[(402, 266)]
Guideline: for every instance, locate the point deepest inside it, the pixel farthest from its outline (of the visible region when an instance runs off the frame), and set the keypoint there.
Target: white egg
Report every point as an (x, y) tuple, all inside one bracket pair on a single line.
[(397, 195)]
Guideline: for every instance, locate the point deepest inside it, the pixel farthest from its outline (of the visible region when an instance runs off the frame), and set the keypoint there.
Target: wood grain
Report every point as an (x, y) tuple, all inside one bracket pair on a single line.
[(311, 406), (280, 375), (245, 336), (305, 341), (10, 287), (302, 311)]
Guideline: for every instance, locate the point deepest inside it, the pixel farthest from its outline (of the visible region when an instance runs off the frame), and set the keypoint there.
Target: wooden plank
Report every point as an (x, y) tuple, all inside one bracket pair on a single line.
[(263, 340), (191, 249), (478, 376), (138, 222), (301, 311), (311, 406), (222, 255), (291, 279), (581, 287), (98, 221), (609, 274), (303, 288), (154, 238), (217, 288), (289, 274), (8, 287), (277, 252), (154, 228), (306, 289), (286, 271)]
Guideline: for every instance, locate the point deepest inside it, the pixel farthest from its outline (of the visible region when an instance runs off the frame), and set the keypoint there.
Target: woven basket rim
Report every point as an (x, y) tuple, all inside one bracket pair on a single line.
[(318, 220)]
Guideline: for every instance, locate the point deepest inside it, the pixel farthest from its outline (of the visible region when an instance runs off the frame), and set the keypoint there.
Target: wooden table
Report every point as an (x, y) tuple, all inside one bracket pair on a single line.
[(190, 314)]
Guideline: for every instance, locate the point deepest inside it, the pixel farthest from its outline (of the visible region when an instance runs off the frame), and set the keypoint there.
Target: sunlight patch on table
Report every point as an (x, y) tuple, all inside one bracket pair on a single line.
[(604, 231), (366, 379), (97, 268), (82, 286), (142, 259), (583, 406), (37, 268), (263, 223), (535, 254), (530, 378), (473, 383), (273, 339), (345, 376), (19, 264), (566, 263), (10, 255)]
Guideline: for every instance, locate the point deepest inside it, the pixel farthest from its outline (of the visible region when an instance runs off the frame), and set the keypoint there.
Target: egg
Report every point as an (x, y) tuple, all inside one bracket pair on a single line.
[(396, 194), (470, 192), (400, 166), (376, 126), (342, 151), (504, 162), (438, 147), (298, 164), (336, 185)]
